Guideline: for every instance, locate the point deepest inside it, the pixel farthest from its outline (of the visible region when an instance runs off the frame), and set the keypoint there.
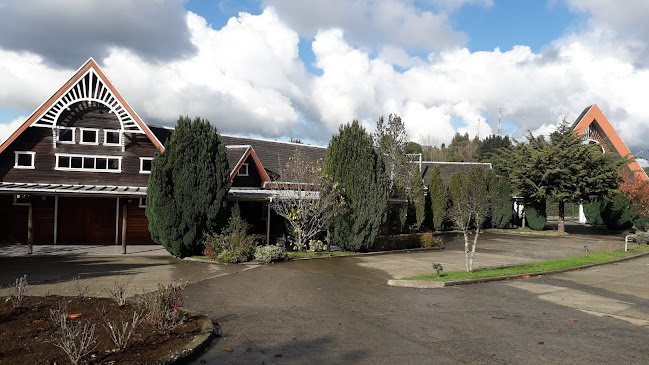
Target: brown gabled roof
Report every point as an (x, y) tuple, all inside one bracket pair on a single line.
[(49, 103), (238, 154), (449, 168), (275, 154), (592, 115)]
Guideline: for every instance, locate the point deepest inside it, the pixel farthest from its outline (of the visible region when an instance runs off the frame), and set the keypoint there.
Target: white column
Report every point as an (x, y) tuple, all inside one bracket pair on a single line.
[(582, 216)]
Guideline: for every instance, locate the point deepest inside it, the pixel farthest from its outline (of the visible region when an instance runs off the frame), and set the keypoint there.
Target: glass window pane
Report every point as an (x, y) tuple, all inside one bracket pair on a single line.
[(88, 163), (101, 164), (65, 135), (77, 162), (89, 136), (25, 159), (113, 164), (146, 165), (64, 161), (112, 137)]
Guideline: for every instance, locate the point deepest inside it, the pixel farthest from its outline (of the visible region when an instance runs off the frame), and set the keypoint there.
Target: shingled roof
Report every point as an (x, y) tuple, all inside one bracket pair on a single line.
[(273, 155), (449, 168)]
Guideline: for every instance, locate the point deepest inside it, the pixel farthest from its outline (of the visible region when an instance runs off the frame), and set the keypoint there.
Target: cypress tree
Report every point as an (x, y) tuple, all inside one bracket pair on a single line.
[(535, 214), (438, 194), (188, 188), (500, 193), (353, 163), (416, 197)]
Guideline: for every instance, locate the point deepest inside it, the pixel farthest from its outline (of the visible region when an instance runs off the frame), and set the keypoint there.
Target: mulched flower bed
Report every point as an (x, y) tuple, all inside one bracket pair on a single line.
[(28, 333)]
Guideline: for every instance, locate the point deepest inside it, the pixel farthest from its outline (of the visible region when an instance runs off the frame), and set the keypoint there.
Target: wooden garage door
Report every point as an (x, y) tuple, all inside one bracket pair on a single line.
[(86, 220)]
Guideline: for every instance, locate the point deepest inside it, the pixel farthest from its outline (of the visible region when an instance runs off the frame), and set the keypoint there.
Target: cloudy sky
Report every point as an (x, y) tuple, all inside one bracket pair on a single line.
[(294, 68)]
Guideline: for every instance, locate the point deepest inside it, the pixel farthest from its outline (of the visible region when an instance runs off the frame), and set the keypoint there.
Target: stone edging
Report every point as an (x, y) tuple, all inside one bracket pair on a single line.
[(428, 284), (189, 351)]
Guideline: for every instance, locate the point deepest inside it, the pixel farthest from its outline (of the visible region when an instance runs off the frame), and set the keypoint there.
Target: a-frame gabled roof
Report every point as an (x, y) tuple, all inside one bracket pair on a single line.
[(244, 151), (88, 84), (592, 117)]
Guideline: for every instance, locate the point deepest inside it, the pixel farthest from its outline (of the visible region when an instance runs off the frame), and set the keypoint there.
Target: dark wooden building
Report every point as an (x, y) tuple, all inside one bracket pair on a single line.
[(77, 170)]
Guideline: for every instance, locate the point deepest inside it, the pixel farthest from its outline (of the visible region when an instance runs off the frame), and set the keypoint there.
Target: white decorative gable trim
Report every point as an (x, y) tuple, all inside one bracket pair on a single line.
[(90, 90)]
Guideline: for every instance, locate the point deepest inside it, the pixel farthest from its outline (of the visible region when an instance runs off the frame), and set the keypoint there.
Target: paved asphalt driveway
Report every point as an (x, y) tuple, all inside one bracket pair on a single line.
[(341, 311)]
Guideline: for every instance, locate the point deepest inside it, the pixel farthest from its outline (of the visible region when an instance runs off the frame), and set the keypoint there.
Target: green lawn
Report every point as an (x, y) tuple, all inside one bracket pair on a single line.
[(310, 255), (542, 266)]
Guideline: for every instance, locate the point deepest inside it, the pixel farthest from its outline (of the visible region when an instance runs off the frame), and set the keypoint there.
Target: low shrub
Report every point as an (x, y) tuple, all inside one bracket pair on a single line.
[(19, 291), (405, 241), (642, 238), (160, 308), (236, 255), (234, 244), (317, 246), (270, 253)]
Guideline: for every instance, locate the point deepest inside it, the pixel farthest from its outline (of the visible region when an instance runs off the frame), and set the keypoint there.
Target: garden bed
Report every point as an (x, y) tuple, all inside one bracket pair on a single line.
[(29, 332)]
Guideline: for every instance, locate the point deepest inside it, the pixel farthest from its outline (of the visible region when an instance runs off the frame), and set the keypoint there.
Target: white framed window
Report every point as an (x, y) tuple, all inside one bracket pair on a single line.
[(66, 135), (141, 203), (24, 159), (71, 162), (145, 165), (112, 137), (89, 136), (21, 199), (243, 171)]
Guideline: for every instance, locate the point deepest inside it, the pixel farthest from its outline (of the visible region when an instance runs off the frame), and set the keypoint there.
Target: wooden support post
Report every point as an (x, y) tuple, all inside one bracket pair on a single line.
[(117, 222), (124, 213), (268, 222), (30, 230), (56, 218)]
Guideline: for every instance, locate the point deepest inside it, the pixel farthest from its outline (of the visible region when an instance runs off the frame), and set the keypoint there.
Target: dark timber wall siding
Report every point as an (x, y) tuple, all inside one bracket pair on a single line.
[(252, 180), (39, 140)]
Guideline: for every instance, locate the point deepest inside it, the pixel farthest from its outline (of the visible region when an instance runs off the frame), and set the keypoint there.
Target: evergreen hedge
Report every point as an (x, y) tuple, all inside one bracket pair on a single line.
[(535, 215), (500, 194), (438, 193), (352, 162), (188, 188)]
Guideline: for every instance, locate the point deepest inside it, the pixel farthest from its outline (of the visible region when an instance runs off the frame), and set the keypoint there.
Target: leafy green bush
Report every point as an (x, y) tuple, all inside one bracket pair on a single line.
[(641, 222), (233, 244), (617, 213), (535, 215), (270, 253), (642, 238), (236, 255), (591, 211), (317, 246)]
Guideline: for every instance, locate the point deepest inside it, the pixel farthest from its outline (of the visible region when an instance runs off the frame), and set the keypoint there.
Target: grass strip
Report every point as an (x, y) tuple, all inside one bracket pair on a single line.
[(543, 266)]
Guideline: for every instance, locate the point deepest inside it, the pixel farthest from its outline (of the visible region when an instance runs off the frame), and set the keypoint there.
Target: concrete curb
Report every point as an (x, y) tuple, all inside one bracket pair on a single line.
[(429, 284), (192, 349), (358, 254)]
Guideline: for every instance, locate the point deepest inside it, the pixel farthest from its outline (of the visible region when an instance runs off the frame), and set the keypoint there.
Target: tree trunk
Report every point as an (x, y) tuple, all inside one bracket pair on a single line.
[(466, 250), (475, 241), (562, 226)]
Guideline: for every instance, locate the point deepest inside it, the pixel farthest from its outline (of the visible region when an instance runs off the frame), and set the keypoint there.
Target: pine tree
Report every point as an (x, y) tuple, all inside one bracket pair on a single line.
[(500, 193), (188, 187), (353, 163), (438, 194)]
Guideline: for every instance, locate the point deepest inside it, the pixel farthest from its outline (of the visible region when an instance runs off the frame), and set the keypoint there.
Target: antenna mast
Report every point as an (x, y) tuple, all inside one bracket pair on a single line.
[(478, 127), (524, 126), (500, 117)]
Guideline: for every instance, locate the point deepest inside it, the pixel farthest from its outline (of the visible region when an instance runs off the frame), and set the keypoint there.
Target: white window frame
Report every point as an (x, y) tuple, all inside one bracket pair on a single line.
[(16, 201), (139, 203), (119, 132), (247, 173), (74, 135), (83, 157), (81, 130), (142, 159), (18, 153)]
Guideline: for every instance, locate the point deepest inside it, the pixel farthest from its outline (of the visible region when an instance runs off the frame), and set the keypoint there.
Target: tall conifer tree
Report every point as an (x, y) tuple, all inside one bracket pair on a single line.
[(438, 194), (353, 163), (188, 188)]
